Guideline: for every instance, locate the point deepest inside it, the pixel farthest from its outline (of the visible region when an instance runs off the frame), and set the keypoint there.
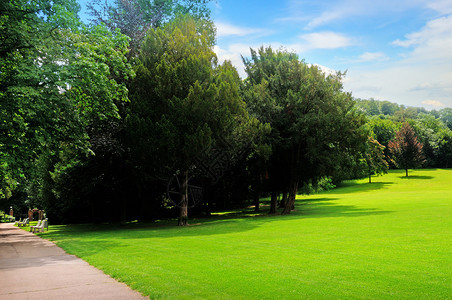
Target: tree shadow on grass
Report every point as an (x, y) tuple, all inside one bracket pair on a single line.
[(215, 225), (324, 208), (413, 177), (351, 187), (223, 223)]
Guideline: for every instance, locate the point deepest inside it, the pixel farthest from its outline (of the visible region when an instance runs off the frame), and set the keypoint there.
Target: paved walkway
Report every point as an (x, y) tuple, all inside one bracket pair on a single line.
[(34, 268)]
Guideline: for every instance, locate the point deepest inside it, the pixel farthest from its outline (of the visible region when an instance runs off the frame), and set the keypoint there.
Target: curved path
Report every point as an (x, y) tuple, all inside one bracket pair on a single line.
[(34, 268)]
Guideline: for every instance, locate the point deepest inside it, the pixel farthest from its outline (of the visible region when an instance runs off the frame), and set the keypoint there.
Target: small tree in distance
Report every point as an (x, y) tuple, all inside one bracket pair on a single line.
[(375, 158), (407, 150)]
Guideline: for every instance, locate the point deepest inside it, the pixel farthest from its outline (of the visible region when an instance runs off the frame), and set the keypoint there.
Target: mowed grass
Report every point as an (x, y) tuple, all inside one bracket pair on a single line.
[(388, 239)]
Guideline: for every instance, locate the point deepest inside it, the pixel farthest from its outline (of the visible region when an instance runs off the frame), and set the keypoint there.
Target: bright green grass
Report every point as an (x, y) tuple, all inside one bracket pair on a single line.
[(388, 239)]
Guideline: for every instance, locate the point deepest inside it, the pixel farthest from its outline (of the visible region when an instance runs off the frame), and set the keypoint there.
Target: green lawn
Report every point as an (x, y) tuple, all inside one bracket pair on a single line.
[(388, 239)]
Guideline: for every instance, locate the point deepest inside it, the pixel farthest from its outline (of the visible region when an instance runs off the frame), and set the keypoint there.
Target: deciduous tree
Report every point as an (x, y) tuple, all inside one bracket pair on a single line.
[(407, 150), (57, 77), (375, 158), (135, 17)]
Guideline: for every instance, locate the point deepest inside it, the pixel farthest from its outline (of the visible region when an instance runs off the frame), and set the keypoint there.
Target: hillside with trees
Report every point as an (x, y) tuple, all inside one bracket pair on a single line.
[(432, 128)]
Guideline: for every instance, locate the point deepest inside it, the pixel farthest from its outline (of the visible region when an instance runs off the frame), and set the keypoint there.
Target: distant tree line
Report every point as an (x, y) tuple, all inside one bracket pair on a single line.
[(133, 117), (433, 129)]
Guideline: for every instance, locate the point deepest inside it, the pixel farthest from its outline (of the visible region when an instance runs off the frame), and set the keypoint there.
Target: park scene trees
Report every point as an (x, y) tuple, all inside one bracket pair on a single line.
[(166, 167), (102, 117)]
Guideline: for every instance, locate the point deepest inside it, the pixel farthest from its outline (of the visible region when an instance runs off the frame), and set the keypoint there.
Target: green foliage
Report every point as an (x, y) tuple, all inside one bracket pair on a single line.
[(183, 102), (320, 185), (446, 117), (435, 137), (172, 90), (430, 126), (386, 109), (57, 79), (375, 158), (70, 140), (315, 129), (135, 17)]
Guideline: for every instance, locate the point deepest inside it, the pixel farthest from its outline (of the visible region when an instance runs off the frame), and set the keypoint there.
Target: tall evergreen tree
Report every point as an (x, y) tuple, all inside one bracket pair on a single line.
[(183, 102), (315, 129)]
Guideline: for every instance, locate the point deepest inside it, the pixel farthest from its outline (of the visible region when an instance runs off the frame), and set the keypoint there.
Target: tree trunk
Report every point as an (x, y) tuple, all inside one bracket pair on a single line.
[(283, 202), (183, 216), (123, 207), (370, 178), (406, 171), (256, 201), (290, 203), (273, 202)]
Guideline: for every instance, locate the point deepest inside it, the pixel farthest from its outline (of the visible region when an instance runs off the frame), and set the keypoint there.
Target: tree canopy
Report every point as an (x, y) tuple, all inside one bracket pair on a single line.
[(406, 149), (183, 100), (315, 129), (102, 118), (57, 77), (135, 17)]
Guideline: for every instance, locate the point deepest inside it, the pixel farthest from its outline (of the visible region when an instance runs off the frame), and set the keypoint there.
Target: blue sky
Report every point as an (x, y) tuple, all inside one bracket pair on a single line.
[(399, 51)]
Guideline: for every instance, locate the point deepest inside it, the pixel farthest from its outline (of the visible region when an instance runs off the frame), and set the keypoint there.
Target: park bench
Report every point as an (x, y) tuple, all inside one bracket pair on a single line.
[(17, 222), (40, 228), (36, 226), (25, 222)]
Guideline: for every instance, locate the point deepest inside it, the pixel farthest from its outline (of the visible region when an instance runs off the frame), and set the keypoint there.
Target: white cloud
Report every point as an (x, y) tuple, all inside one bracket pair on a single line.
[(428, 85), (325, 40), (367, 57), (442, 6), (434, 103), (225, 29), (327, 71), (408, 84), (325, 18), (333, 11), (435, 33), (372, 56), (234, 54), (420, 76), (327, 12), (423, 72)]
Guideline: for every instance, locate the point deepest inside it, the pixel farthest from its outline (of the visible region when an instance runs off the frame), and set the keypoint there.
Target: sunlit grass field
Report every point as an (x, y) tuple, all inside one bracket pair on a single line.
[(388, 239)]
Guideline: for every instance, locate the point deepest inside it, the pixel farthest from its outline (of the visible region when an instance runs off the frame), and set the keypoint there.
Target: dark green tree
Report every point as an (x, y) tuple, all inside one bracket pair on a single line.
[(316, 131), (184, 103)]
